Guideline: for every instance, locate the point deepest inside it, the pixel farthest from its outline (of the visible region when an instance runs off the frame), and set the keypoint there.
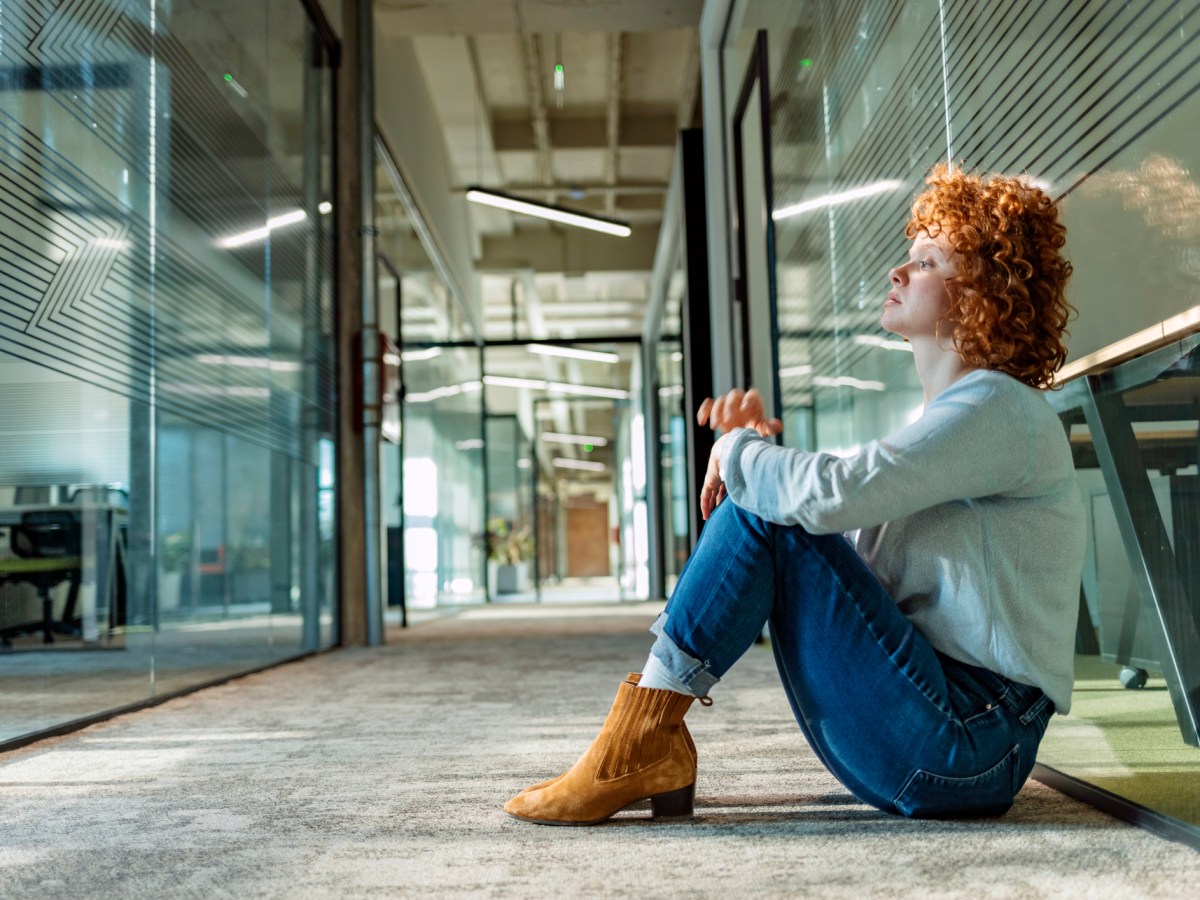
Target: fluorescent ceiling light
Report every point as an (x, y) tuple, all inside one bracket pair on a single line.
[(248, 362), (573, 353), (324, 207), (795, 371), (508, 202), (557, 438), (867, 190), (564, 309), (111, 243), (419, 355), (671, 390), (847, 381), (555, 387), (505, 381), (569, 327), (439, 393), (216, 390), (582, 464), (874, 340), (469, 444), (258, 234), (586, 390)]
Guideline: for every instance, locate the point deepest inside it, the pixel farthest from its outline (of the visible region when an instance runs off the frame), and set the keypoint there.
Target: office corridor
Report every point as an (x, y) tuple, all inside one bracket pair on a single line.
[(380, 772)]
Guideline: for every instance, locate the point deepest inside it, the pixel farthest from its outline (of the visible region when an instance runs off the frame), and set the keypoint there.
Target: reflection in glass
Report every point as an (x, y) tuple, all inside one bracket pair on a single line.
[(177, 385)]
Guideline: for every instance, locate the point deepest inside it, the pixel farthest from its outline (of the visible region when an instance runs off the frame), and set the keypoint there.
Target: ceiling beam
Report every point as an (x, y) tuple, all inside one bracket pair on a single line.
[(586, 132), (540, 126), (613, 118)]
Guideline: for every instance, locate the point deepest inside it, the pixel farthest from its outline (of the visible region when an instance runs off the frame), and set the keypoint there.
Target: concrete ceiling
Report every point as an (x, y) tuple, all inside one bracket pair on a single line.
[(604, 143)]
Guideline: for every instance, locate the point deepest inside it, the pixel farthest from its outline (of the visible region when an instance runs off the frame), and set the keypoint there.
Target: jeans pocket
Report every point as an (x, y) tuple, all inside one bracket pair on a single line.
[(928, 795)]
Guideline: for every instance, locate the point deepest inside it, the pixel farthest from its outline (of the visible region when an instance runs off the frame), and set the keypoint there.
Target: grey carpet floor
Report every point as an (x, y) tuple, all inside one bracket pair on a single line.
[(380, 772)]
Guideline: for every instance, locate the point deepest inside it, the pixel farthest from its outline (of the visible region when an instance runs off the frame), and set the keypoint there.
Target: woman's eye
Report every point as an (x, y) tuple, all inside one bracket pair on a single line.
[(925, 264)]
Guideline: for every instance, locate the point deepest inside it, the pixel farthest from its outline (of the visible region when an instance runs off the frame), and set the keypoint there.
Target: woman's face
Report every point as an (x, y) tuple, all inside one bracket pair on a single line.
[(918, 299)]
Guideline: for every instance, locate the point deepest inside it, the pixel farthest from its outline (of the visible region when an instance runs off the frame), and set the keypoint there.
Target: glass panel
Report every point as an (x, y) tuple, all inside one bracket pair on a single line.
[(169, 352), (510, 525), (1100, 108), (673, 456), (442, 413), (1096, 102), (1129, 731), (843, 119), (577, 402)]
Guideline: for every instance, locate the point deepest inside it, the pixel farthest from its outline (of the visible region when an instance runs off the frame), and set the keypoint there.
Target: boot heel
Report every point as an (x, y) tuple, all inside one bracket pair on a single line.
[(673, 804)]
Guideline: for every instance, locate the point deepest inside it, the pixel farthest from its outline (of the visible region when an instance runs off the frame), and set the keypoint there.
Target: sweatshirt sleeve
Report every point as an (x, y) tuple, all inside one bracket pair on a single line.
[(972, 441)]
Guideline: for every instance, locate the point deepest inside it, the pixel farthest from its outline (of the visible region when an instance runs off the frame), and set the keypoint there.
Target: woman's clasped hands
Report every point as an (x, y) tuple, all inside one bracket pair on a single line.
[(735, 409)]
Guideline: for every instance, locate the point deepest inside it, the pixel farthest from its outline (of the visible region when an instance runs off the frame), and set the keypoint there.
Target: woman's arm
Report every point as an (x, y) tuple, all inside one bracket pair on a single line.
[(973, 441)]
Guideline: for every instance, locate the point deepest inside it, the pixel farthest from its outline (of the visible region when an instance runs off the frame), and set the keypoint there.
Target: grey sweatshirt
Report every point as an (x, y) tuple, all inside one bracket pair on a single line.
[(970, 517)]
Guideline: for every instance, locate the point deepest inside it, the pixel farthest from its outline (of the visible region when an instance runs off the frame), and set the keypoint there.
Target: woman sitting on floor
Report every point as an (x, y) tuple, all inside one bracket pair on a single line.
[(922, 593)]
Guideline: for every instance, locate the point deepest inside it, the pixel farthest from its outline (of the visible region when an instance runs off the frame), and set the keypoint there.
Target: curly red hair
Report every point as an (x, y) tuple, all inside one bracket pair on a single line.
[(1007, 302)]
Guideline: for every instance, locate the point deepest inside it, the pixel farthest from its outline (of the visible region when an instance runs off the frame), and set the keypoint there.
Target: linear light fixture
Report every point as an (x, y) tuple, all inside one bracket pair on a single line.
[(501, 200), (448, 390), (795, 371), (858, 193), (582, 465), (582, 439), (874, 340), (109, 243), (419, 355), (846, 381), (258, 234), (248, 362), (555, 387), (574, 353)]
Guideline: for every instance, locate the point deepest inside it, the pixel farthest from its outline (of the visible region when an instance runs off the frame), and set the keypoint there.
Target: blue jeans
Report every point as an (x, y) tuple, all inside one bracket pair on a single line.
[(904, 727)]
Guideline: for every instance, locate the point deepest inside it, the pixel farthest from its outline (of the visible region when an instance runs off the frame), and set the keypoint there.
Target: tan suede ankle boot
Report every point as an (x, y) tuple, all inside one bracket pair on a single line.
[(631, 678), (642, 752)]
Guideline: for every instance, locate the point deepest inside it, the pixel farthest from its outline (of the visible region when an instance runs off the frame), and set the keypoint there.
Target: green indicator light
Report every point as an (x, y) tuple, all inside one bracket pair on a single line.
[(558, 68), (228, 77), (587, 448), (805, 63)]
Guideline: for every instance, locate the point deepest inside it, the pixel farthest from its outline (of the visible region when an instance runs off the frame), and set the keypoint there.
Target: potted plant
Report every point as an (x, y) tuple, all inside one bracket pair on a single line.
[(174, 560), (509, 548), (250, 569)]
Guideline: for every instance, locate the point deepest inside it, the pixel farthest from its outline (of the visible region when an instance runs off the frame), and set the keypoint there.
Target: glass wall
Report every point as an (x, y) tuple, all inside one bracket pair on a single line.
[(433, 482), (673, 460), (1097, 103), (166, 355), (563, 428)]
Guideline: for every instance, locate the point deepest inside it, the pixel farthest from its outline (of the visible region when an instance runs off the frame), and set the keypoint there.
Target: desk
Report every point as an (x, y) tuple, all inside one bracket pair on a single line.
[(1160, 394), (102, 552)]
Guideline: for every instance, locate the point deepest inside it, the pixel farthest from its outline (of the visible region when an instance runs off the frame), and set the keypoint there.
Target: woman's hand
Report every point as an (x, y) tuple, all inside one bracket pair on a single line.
[(713, 490), (738, 409)]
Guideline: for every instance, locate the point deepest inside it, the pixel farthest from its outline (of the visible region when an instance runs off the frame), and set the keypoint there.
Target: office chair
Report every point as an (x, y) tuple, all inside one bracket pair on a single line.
[(46, 547)]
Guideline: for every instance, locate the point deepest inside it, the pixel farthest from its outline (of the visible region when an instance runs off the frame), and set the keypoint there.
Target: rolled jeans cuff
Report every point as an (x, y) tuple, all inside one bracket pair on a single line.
[(690, 672)]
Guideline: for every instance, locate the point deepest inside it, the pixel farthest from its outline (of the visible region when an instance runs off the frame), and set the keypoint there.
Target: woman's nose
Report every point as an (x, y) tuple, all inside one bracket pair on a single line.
[(894, 275)]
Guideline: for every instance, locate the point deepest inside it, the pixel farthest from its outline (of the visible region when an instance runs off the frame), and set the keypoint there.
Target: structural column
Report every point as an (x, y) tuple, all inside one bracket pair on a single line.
[(359, 571)]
